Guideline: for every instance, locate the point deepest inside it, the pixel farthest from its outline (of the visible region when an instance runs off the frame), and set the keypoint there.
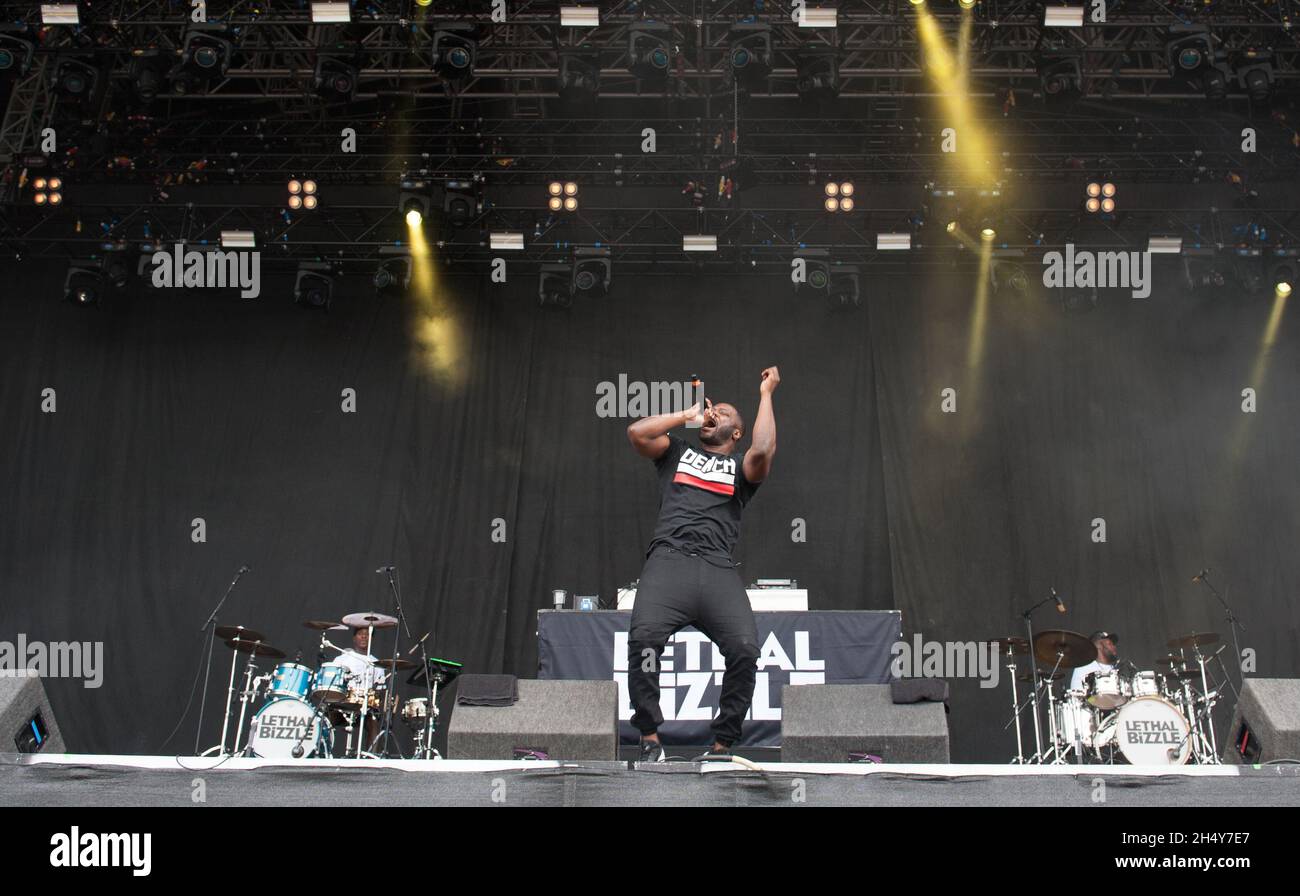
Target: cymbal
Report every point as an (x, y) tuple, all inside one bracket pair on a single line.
[(324, 625), (392, 665), (226, 632), (1011, 646), (1073, 648), (1182, 674), (362, 620), (256, 648), (1193, 640), (1172, 659)]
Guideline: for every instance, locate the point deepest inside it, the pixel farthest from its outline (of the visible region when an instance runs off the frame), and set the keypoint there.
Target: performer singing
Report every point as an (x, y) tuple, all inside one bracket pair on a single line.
[(689, 577)]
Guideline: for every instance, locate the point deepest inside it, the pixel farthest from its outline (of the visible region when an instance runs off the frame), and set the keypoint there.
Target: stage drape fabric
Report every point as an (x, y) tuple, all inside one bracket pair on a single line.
[(475, 461)]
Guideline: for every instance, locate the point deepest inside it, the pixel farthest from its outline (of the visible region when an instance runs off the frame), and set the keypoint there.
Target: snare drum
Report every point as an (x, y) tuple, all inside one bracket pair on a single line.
[(1145, 684), (1107, 690), (290, 680), (330, 684)]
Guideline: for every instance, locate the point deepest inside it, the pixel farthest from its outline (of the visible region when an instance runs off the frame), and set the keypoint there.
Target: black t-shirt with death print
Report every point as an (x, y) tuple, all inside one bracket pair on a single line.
[(701, 497)]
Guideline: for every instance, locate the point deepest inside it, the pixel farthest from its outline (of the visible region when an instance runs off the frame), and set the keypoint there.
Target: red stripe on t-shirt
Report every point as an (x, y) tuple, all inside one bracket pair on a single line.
[(719, 487)]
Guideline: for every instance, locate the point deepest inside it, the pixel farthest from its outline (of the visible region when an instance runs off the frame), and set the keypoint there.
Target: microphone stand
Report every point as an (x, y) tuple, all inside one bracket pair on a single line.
[(1234, 622), (391, 699), (207, 673), (1033, 669)]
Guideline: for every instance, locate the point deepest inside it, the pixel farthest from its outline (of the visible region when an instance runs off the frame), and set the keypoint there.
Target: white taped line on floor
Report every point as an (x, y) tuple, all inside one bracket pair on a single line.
[(214, 763), (957, 770)]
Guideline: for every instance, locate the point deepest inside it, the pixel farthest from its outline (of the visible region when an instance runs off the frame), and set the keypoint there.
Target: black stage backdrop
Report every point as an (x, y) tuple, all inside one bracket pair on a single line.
[(174, 405)]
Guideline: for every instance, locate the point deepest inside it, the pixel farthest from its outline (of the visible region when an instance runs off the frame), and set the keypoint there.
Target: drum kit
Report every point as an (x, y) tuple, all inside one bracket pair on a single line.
[(344, 707), (1120, 715)]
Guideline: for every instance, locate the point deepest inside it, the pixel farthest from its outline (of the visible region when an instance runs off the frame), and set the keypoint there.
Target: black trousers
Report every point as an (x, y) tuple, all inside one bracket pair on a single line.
[(676, 590)]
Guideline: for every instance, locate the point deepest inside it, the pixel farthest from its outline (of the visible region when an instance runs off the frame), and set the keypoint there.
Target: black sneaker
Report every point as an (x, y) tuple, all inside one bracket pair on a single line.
[(652, 751)]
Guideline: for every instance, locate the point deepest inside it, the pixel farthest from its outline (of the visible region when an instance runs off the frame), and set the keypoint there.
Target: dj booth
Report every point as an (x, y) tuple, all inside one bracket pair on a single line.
[(795, 647)]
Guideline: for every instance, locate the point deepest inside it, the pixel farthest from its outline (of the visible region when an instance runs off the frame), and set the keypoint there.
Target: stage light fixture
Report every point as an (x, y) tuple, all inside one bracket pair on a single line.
[(1283, 277), (832, 205), (844, 292), (1107, 206), (460, 201), (570, 189), (60, 14), (966, 4), (750, 53), (817, 76), (579, 16), (84, 285), (313, 288), (1093, 205), (327, 11), (393, 274), (823, 17), (75, 79), (846, 204), (987, 234), (309, 202), (509, 241), (555, 204), (1060, 75), (650, 50), (1254, 70), (816, 272), (16, 54), (454, 51), (205, 53), (554, 286), (1063, 17), (238, 239), (295, 201), (414, 200), (570, 204), (592, 271), (147, 70), (1094, 189), (578, 79), (335, 78)]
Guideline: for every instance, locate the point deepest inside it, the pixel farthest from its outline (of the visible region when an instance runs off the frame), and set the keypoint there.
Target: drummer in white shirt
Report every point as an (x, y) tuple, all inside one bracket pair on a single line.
[(363, 674), (359, 662), (1107, 657)]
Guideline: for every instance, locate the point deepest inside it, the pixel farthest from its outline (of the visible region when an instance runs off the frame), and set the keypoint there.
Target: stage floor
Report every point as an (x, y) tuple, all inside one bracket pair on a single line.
[(99, 780)]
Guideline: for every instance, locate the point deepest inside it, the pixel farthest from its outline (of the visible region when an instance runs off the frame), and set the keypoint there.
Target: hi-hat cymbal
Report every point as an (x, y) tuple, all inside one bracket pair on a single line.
[(255, 647), (324, 625), (391, 665), (1011, 646), (1073, 649), (362, 620), (226, 632), (1193, 640)]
